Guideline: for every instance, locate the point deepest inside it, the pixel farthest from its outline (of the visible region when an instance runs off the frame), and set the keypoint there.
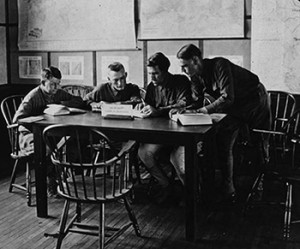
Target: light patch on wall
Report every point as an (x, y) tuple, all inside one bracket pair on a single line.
[(106, 60), (30, 67), (71, 67), (235, 59)]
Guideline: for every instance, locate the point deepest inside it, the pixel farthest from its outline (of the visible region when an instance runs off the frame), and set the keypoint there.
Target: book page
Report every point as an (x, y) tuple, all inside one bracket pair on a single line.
[(56, 109), (31, 119), (194, 119)]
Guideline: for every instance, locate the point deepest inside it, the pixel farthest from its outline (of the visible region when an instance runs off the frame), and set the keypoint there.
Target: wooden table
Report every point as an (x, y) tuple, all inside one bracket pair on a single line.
[(151, 130)]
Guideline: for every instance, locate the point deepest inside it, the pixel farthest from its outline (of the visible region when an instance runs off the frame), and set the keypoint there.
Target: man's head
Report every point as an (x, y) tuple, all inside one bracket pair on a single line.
[(190, 59), (50, 79), (117, 76), (158, 66)]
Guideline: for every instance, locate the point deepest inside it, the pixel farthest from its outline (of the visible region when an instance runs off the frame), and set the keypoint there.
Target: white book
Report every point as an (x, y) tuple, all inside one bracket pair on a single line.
[(116, 111), (56, 109), (192, 119)]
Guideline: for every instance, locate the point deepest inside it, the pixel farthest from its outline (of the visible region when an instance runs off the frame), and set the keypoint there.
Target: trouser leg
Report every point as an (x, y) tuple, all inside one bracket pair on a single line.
[(226, 136), (149, 155), (177, 159)]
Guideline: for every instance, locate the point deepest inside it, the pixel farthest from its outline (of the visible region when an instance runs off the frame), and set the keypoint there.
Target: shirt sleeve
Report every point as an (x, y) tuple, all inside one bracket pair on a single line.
[(69, 100), (223, 80), (184, 96)]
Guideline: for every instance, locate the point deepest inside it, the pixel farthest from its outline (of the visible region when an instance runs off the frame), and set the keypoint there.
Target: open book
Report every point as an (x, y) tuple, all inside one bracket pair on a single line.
[(116, 111), (56, 109), (119, 110), (192, 119)]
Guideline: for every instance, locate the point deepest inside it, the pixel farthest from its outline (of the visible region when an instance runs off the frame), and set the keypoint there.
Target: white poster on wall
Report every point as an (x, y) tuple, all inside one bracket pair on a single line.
[(30, 67), (64, 25), (106, 60), (235, 59), (71, 67), (180, 19), (275, 44)]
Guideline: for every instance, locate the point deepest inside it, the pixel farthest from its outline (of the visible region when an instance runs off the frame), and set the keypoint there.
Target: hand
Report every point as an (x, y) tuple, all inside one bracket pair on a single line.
[(176, 110), (96, 105), (202, 110), (148, 111), (135, 99)]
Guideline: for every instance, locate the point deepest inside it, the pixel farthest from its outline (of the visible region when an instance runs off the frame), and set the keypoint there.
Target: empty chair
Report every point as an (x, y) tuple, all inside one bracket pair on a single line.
[(77, 90), (9, 105), (287, 171), (75, 150), (282, 108), (291, 176)]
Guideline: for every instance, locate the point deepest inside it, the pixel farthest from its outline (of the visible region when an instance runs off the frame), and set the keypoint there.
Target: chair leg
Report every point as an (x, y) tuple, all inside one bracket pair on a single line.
[(62, 226), (28, 184), (288, 211), (253, 190), (78, 211), (132, 217), (101, 225), (13, 176)]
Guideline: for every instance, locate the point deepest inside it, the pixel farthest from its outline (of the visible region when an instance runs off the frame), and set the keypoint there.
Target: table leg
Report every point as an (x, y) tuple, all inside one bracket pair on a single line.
[(191, 189), (40, 172)]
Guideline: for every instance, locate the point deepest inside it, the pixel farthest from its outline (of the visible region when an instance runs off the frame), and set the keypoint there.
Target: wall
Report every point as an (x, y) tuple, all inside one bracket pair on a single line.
[(136, 67), (13, 84)]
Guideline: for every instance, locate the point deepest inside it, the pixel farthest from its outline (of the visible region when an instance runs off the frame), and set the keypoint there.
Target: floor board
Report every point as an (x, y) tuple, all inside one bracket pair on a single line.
[(222, 226)]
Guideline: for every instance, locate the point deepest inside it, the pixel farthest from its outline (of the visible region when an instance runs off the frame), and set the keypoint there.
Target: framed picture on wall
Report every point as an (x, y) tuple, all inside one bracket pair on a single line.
[(76, 67), (30, 67), (72, 67), (131, 60)]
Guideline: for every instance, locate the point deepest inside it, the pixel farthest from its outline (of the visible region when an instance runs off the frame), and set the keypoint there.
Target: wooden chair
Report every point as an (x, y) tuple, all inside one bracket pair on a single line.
[(75, 150), (282, 108), (288, 174), (291, 176), (9, 105), (77, 90), (284, 139)]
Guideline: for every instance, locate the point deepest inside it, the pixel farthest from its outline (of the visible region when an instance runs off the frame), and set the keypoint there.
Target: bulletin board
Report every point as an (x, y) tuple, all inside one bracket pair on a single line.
[(131, 60), (237, 51), (76, 67), (60, 25), (191, 19), (275, 43), (19, 59)]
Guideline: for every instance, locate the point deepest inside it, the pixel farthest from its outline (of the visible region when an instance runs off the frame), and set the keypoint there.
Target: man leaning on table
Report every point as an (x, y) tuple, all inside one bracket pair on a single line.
[(238, 93), (35, 102), (115, 90), (165, 91)]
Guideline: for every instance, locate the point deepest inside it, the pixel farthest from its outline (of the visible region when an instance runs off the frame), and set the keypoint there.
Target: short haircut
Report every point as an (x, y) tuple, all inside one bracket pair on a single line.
[(160, 60), (50, 72), (116, 66), (188, 51)]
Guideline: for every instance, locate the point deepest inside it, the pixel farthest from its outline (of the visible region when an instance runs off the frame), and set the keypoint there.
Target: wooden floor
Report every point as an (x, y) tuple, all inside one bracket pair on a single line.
[(222, 227)]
